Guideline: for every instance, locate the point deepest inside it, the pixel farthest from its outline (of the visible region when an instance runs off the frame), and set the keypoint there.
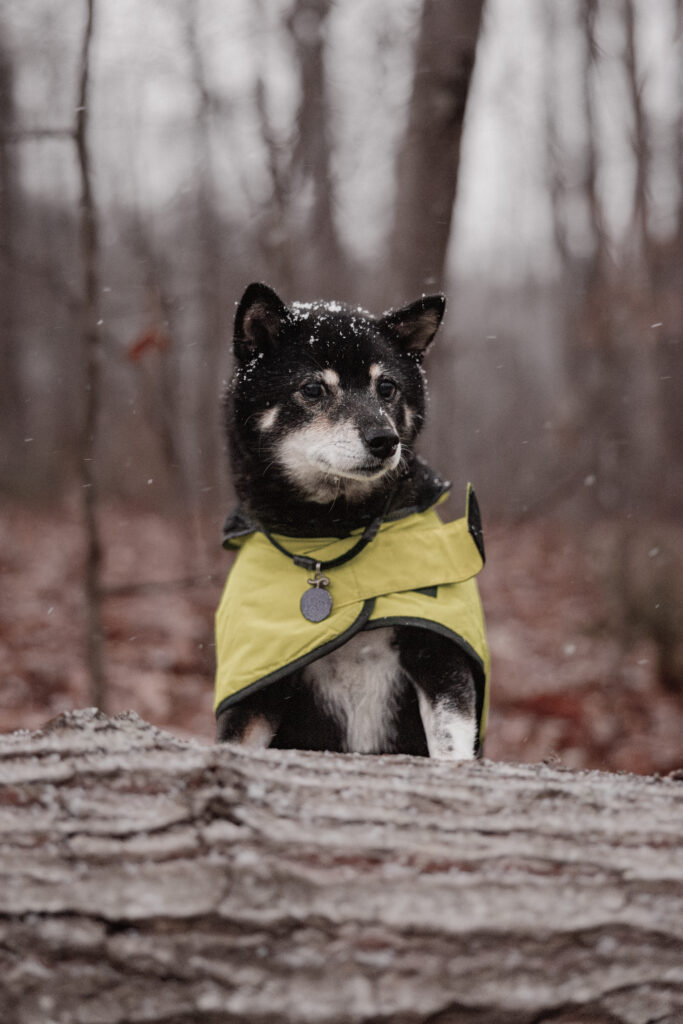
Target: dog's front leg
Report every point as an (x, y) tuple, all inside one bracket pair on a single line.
[(451, 734), (444, 682), (247, 725)]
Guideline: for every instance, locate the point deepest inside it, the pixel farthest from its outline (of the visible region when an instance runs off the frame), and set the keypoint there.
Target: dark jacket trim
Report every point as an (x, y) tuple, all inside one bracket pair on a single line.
[(474, 523), (305, 659), (436, 627), (236, 525)]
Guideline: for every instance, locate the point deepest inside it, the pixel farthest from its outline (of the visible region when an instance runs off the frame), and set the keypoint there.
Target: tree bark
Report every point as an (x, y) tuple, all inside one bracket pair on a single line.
[(641, 137), (92, 371), (426, 183), (13, 420), (145, 878), (427, 171), (319, 269), (206, 415)]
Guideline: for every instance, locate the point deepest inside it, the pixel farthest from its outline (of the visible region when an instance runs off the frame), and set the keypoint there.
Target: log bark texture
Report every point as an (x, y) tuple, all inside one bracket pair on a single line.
[(145, 878)]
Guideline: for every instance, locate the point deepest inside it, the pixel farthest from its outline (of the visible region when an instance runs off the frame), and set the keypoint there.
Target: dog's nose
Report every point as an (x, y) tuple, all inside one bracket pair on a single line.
[(382, 441)]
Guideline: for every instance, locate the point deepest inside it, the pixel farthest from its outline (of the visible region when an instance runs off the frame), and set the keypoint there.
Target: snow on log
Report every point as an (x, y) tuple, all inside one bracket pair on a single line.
[(146, 878)]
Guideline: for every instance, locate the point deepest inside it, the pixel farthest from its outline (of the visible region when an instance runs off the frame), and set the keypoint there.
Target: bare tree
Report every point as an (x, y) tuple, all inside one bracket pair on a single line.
[(640, 139), (426, 183), (212, 321), (427, 171), (11, 390), (159, 376), (89, 242), (586, 331), (274, 239), (678, 6), (320, 267), (554, 162)]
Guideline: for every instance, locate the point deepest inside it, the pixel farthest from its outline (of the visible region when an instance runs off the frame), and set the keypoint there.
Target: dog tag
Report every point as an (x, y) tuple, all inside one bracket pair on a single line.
[(316, 603)]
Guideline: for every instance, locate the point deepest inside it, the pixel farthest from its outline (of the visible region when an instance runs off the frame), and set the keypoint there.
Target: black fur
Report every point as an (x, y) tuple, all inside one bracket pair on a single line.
[(283, 358), (274, 356)]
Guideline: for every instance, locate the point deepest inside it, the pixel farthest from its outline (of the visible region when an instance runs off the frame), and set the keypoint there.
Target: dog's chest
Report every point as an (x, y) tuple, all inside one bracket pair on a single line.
[(357, 685)]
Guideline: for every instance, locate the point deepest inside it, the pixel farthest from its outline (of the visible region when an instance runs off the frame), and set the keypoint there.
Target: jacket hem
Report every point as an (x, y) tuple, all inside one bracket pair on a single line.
[(319, 652)]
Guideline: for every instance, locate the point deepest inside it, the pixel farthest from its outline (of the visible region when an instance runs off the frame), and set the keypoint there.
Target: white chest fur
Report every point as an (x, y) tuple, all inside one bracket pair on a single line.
[(357, 685)]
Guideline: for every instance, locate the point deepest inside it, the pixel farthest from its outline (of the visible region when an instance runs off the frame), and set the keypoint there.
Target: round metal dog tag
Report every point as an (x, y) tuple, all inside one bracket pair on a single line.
[(316, 604)]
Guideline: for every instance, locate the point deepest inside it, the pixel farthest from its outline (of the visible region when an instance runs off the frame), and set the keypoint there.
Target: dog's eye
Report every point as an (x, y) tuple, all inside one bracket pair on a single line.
[(313, 390), (386, 389)]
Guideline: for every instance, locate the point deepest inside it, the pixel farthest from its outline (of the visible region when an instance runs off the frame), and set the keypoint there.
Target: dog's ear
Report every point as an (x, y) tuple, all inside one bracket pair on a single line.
[(258, 320), (413, 327)]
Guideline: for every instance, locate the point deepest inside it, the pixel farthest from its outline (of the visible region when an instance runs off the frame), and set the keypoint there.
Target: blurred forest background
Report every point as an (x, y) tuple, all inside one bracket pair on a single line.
[(524, 156)]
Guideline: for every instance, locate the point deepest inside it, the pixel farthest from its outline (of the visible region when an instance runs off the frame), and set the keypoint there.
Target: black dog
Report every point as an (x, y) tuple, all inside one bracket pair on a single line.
[(350, 621)]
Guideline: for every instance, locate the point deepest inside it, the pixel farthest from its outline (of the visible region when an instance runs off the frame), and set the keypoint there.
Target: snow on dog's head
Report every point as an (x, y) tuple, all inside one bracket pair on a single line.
[(327, 396)]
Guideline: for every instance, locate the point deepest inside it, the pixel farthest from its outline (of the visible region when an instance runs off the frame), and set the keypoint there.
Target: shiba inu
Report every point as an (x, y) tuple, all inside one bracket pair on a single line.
[(350, 620)]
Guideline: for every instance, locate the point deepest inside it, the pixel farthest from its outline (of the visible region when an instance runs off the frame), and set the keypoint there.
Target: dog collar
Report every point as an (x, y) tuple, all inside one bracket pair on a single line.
[(316, 602)]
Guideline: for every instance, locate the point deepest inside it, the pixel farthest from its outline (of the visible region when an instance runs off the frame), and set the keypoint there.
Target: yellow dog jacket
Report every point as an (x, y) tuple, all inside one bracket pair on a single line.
[(417, 571)]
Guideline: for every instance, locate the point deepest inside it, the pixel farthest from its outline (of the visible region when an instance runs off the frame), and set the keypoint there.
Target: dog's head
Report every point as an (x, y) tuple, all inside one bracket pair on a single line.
[(328, 397)]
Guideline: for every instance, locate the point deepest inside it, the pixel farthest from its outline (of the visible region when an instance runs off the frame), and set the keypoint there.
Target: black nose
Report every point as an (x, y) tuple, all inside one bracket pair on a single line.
[(381, 441)]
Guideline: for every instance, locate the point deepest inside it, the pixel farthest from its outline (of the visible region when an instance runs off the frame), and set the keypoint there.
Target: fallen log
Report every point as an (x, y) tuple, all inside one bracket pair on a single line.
[(147, 878)]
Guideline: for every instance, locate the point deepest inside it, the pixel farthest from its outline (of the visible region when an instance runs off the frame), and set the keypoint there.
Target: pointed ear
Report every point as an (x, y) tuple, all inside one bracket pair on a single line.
[(413, 327), (258, 320)]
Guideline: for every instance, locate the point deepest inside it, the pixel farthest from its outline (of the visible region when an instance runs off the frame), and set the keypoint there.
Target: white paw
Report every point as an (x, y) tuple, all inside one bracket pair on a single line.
[(450, 734)]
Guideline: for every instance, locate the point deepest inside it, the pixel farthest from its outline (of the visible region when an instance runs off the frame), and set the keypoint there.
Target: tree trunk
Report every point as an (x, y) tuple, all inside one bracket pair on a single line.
[(12, 396), (426, 182), (145, 878), (319, 269), (427, 170), (641, 139), (212, 327), (92, 371)]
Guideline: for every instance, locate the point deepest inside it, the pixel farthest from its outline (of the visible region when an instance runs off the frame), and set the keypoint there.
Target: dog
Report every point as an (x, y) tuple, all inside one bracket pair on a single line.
[(332, 633)]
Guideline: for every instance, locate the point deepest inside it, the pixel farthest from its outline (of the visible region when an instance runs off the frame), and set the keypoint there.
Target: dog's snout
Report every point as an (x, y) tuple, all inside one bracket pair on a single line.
[(382, 441)]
